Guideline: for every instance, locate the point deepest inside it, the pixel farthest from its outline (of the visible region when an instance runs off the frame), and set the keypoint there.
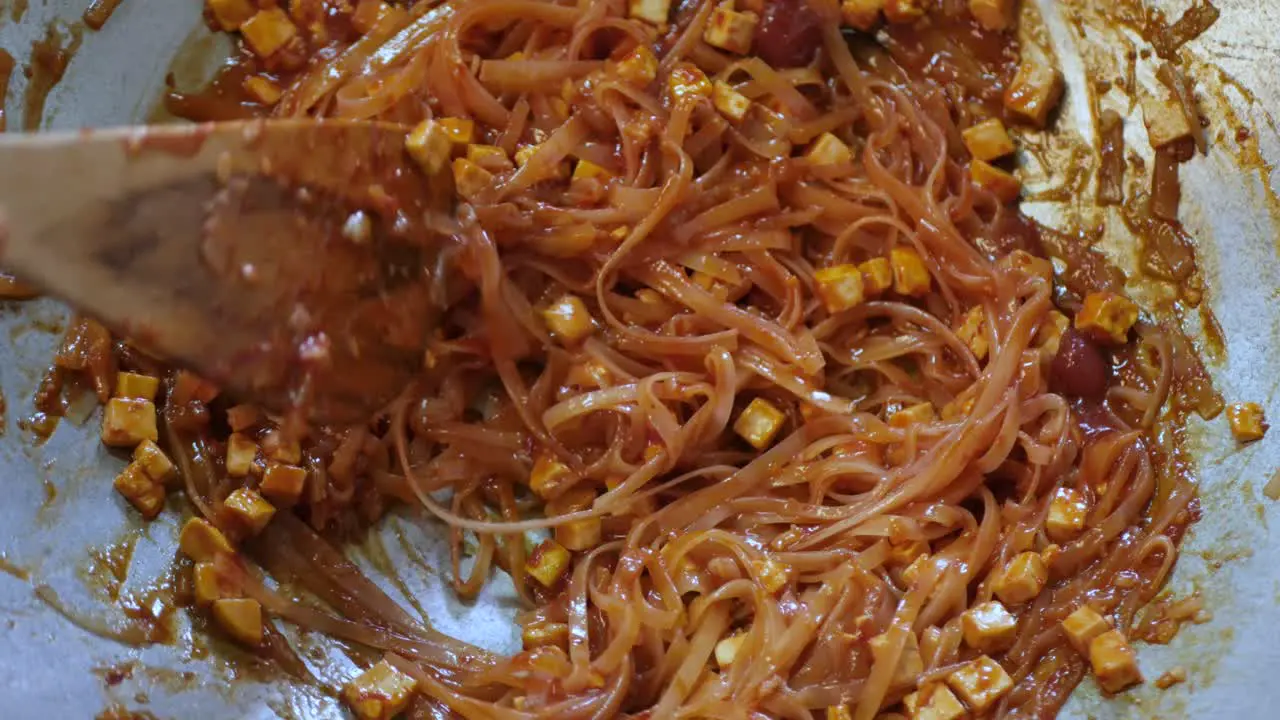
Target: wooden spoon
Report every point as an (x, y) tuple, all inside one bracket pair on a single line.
[(288, 261)]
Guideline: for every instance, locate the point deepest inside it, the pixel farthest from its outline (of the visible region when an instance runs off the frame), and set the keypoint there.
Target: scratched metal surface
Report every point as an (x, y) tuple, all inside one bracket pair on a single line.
[(58, 507)]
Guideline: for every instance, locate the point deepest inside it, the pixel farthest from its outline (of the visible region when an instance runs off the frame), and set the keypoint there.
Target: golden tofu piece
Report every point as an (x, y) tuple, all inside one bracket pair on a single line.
[(651, 11), (580, 534), (379, 693), (1107, 317), (201, 541), (241, 452), (231, 14), (913, 415), (992, 14), (1002, 184), (910, 276), (1034, 92), (902, 12), (989, 627), (877, 276), (687, 84), (429, 146), (934, 702), (489, 157), (136, 386), (568, 319), (144, 493), (639, 67), (470, 179), (1049, 334), (1067, 513), (839, 712), (243, 417), (828, 150), (281, 448), (727, 649), (1025, 262), (128, 421), (1114, 662), (207, 584), (731, 103), (773, 575), (758, 423), (988, 140), (153, 461), (250, 509), (241, 618), (268, 31), (1163, 116), (262, 90), (863, 15), (730, 30), (586, 169), (973, 332), (980, 683), (460, 131), (1247, 420), (283, 483), (544, 634), (1023, 579), (910, 663), (548, 562), (1082, 626), (905, 552), (839, 287)]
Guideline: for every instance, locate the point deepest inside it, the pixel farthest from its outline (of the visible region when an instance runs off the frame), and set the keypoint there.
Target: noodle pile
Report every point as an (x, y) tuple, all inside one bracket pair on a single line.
[(859, 536)]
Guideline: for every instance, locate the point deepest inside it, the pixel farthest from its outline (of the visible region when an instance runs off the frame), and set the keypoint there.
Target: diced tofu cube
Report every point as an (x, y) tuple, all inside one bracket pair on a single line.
[(651, 11), (730, 30), (1082, 626), (231, 14), (379, 693), (989, 627), (489, 157), (250, 509), (1115, 664), (731, 103), (1025, 262), (470, 179), (759, 423), (241, 618), (241, 452), (207, 584), (127, 422), (201, 541), (829, 150), (136, 386), (153, 461), (429, 146), (460, 131), (1049, 334), (773, 574), (568, 319), (687, 84), (996, 181), (903, 12), (268, 31), (988, 140), (839, 287), (190, 387), (863, 15), (1023, 579), (1163, 116), (544, 634), (910, 663), (1107, 317), (910, 276), (877, 276), (243, 417), (262, 90), (283, 483), (934, 702), (145, 494), (584, 169), (992, 14), (913, 415), (973, 332), (727, 649), (905, 552), (639, 67), (548, 562), (580, 534), (980, 683), (1067, 512), (1247, 420), (1034, 92), (839, 712)]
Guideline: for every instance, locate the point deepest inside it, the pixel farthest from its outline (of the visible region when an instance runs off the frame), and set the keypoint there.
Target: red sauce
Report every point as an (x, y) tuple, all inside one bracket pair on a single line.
[(224, 99), (6, 72), (49, 60)]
